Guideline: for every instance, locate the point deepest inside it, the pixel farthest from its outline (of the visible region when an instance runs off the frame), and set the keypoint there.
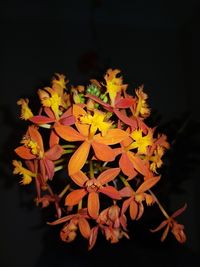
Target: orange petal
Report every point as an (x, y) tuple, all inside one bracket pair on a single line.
[(112, 137), (62, 220), (165, 233), (54, 152), (79, 178), (146, 185), (84, 227), (68, 133), (162, 225), (111, 192), (103, 152), (93, 204), (36, 136), (126, 204), (108, 175), (138, 164), (126, 192), (54, 138), (74, 197), (24, 152), (133, 210), (93, 237), (127, 166), (179, 211), (140, 211), (79, 158), (41, 119), (77, 112)]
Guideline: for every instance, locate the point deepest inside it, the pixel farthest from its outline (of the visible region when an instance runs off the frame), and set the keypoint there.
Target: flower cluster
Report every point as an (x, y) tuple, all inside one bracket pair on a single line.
[(110, 157)]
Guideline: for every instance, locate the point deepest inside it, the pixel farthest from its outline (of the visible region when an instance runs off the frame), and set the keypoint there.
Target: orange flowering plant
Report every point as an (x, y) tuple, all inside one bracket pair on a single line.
[(109, 156)]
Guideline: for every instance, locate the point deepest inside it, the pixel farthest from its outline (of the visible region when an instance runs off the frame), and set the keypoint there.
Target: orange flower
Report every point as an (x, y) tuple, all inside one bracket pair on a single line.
[(72, 223), (130, 163), (33, 148), (176, 228), (114, 84), (86, 133), (64, 119), (134, 202), (93, 187)]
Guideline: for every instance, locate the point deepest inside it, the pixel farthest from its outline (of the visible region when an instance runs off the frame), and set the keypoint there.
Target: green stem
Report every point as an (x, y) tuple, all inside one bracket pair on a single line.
[(125, 182), (80, 204), (68, 151), (59, 161), (91, 170), (45, 125), (159, 205), (68, 146), (64, 191), (58, 168)]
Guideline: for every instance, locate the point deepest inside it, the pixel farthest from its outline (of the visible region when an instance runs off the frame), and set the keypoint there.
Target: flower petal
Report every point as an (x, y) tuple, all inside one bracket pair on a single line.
[(126, 192), (79, 178), (126, 204), (111, 192), (108, 175), (93, 204), (74, 197), (84, 227), (62, 220), (179, 211), (24, 152), (125, 102), (54, 152), (112, 137), (49, 166), (126, 119), (127, 166), (79, 158), (68, 133), (146, 185), (103, 152), (133, 208), (93, 237), (36, 136), (138, 164), (54, 138), (39, 119)]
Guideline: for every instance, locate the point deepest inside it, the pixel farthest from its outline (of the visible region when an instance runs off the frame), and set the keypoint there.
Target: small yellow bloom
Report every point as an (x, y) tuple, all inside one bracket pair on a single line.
[(156, 161), (50, 98), (26, 112), (113, 84), (59, 82), (141, 142), (142, 107), (35, 149), (26, 174), (97, 122)]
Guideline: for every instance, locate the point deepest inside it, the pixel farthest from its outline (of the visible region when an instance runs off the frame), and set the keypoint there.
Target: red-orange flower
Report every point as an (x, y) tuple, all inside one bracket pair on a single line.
[(33, 148), (176, 228), (135, 198), (72, 223), (93, 187), (85, 133)]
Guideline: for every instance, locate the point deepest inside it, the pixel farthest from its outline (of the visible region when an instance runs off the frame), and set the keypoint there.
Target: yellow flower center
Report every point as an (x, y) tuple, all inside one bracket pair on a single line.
[(35, 149), (26, 174), (141, 142), (93, 185), (96, 122), (26, 112)]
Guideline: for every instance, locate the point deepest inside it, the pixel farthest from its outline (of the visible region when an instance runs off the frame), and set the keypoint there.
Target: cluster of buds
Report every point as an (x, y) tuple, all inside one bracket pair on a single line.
[(110, 158)]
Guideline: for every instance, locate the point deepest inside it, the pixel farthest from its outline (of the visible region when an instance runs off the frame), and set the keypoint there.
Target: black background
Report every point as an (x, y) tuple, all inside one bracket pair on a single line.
[(153, 42)]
